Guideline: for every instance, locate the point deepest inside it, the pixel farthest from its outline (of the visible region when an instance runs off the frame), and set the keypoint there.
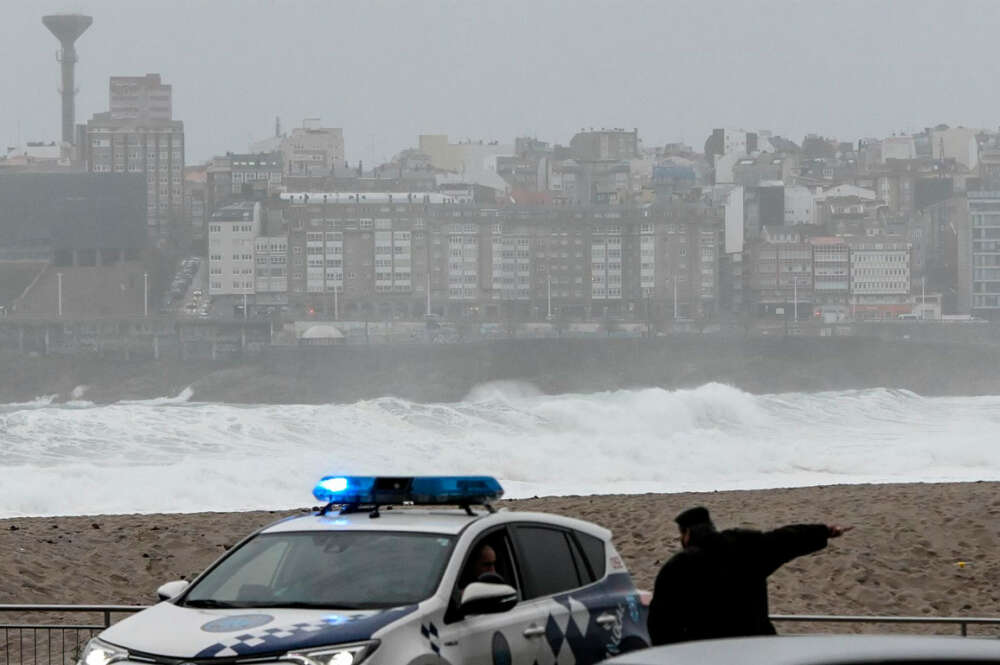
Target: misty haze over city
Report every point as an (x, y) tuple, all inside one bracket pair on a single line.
[(598, 264), (388, 71)]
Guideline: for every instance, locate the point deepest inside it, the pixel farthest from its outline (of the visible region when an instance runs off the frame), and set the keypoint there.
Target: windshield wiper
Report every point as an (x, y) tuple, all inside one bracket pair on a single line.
[(209, 602)]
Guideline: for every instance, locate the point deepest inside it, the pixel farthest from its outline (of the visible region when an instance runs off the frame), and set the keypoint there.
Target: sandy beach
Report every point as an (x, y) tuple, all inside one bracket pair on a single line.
[(917, 549)]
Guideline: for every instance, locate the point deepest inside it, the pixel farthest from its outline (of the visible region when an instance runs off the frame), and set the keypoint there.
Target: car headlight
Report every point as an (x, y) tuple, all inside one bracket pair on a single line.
[(101, 653), (342, 654)]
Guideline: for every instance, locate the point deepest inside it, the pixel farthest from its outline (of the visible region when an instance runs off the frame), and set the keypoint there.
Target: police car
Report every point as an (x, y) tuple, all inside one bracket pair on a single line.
[(372, 579)]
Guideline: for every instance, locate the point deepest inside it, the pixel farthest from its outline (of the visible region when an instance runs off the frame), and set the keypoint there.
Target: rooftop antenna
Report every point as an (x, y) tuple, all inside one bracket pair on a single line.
[(67, 28)]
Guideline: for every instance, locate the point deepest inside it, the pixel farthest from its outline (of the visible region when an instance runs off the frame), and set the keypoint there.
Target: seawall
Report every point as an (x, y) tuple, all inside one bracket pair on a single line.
[(433, 373)]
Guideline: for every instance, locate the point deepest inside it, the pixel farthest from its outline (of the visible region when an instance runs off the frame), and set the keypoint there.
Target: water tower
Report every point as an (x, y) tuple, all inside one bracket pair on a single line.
[(67, 28)]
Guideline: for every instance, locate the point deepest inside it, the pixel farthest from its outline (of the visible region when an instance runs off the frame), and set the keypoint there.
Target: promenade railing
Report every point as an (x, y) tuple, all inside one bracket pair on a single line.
[(59, 640), (59, 637), (963, 623)]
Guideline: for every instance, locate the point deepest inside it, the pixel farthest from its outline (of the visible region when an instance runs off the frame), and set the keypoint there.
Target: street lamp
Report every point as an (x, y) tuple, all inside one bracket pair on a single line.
[(795, 297), (145, 294), (549, 295), (649, 312)]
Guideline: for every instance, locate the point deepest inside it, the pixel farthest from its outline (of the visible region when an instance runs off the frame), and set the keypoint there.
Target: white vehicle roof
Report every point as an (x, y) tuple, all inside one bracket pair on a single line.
[(416, 520)]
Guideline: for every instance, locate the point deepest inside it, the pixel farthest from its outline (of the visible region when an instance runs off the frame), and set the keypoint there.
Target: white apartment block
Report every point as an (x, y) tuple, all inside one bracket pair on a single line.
[(880, 268), (232, 235)]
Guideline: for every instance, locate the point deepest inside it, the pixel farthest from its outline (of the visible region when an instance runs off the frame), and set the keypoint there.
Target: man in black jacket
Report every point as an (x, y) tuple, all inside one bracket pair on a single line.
[(717, 585)]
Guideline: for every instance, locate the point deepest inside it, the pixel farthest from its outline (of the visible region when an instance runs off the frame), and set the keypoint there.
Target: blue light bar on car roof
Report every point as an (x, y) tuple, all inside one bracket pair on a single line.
[(418, 490)]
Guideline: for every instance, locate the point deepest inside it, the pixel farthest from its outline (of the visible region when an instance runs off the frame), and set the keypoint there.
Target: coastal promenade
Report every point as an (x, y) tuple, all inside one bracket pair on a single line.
[(191, 338)]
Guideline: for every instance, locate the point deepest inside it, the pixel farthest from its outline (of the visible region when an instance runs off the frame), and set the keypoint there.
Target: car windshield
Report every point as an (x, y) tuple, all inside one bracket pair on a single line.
[(341, 569)]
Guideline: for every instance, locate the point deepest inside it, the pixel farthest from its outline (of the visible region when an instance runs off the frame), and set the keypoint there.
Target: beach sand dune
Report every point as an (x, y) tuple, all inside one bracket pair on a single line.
[(916, 550)]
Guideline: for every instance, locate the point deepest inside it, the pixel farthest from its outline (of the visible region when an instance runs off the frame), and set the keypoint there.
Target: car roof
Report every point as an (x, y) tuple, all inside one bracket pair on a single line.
[(818, 650), (426, 521)]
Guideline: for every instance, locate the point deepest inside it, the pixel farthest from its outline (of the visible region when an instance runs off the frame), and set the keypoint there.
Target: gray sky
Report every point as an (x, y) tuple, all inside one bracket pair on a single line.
[(388, 71)]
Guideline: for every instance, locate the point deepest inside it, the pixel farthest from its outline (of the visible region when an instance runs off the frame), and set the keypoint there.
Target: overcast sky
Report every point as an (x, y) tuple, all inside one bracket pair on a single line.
[(388, 71)]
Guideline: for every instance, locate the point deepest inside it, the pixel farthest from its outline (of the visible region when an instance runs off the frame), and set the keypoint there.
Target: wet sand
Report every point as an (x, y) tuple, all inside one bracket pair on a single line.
[(917, 549)]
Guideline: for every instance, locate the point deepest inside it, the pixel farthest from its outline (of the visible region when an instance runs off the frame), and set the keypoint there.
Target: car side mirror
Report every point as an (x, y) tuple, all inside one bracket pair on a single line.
[(171, 589), (488, 598)]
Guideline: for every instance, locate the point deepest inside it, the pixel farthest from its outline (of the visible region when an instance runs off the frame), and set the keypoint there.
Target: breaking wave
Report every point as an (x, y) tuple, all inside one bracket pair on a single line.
[(178, 455)]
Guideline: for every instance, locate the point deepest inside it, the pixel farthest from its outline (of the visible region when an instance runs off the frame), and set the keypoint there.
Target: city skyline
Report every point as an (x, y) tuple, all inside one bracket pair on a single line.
[(458, 75)]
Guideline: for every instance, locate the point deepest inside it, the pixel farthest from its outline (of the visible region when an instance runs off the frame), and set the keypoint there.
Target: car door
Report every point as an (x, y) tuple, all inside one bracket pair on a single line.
[(551, 571), (616, 620), (490, 639), (583, 614)]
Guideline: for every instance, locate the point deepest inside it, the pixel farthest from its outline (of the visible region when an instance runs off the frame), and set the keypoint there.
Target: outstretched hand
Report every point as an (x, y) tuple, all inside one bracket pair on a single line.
[(836, 531)]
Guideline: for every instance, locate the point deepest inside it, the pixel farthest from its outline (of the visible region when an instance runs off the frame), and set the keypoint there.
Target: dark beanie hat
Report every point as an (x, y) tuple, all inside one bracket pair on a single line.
[(692, 517)]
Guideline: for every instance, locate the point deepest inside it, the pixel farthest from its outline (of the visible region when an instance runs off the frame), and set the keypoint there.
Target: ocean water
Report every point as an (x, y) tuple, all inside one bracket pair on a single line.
[(179, 455)]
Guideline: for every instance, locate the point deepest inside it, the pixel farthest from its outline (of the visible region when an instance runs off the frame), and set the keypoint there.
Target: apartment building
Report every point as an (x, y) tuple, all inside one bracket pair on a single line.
[(984, 251), (880, 278), (271, 261), (781, 274), (357, 253), (259, 173), (402, 255), (155, 150), (831, 270), (232, 238), (140, 99), (312, 149), (511, 264)]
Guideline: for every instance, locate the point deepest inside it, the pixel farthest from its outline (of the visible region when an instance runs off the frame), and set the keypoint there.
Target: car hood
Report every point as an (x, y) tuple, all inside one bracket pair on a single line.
[(184, 632)]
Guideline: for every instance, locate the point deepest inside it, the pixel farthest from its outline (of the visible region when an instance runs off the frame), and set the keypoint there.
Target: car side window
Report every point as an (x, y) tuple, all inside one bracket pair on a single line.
[(546, 561), (498, 542), (593, 551), (582, 569)]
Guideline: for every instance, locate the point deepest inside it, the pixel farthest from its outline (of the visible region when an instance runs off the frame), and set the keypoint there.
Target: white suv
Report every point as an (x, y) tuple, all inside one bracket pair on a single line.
[(397, 586)]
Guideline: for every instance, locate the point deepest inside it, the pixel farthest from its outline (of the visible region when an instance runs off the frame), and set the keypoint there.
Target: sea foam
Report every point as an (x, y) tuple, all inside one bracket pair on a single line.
[(178, 455)]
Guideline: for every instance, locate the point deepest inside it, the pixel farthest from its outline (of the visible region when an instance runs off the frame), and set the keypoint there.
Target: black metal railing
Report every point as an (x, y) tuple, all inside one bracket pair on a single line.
[(963, 623), (60, 641)]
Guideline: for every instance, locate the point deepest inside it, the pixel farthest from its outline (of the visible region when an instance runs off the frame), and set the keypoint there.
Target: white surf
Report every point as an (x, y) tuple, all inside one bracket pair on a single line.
[(178, 455)]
